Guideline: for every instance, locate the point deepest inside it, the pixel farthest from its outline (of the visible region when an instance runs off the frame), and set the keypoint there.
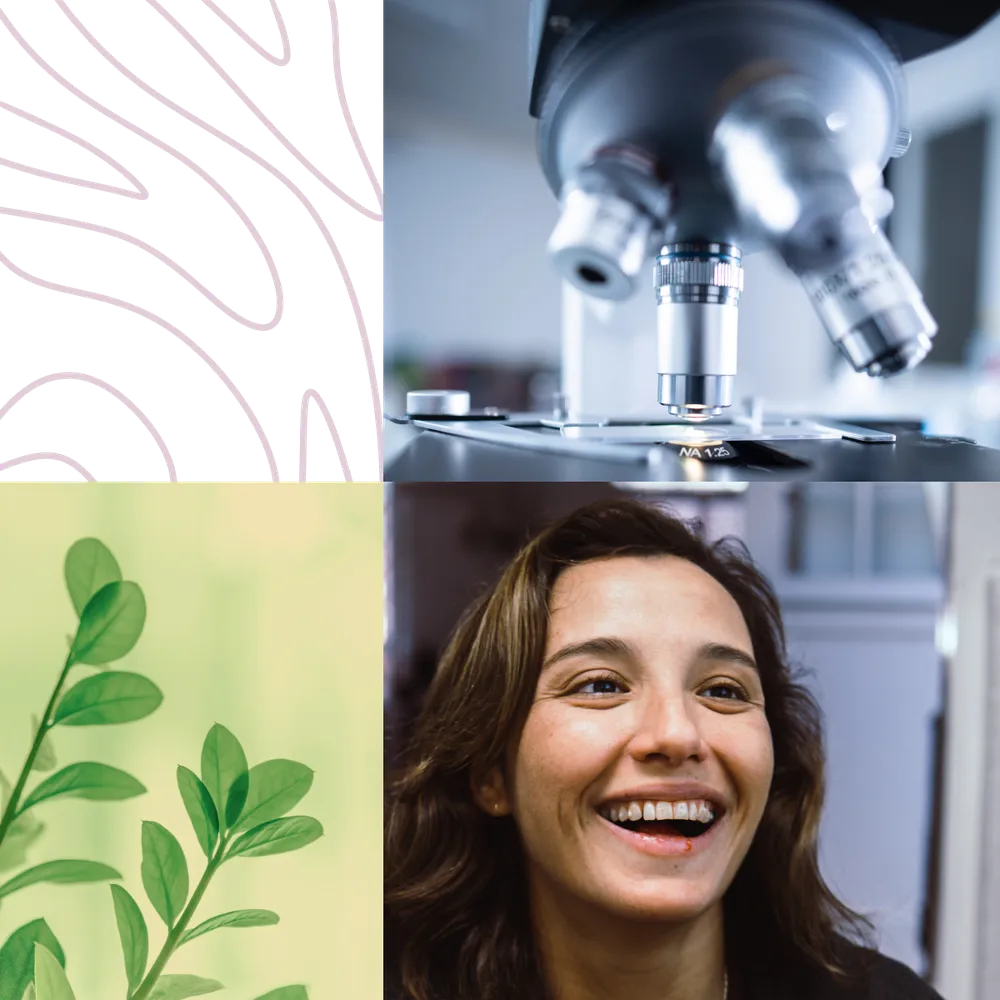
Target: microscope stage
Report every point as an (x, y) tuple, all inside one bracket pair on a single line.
[(523, 447)]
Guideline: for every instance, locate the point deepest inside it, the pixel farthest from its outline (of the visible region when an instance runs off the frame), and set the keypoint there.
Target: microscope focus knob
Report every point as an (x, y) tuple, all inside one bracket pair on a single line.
[(438, 403)]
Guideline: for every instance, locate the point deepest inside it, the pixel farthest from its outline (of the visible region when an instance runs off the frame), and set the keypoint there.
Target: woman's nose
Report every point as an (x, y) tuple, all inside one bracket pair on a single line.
[(665, 727)]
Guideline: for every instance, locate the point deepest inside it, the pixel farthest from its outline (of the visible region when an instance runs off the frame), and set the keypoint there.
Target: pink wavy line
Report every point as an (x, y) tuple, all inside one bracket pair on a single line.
[(375, 393), (70, 375), (30, 457), (141, 193), (176, 332), (309, 397), (279, 61)]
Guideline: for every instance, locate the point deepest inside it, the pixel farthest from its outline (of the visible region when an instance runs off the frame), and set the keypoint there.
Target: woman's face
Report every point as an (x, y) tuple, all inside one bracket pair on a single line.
[(648, 698)]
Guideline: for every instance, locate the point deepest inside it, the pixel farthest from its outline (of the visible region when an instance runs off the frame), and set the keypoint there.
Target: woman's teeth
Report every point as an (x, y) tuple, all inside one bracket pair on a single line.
[(695, 810)]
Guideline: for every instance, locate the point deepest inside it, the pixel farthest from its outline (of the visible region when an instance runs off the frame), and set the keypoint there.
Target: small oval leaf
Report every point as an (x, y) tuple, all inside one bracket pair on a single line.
[(87, 780), (89, 566), (110, 624), (133, 934), (50, 979), (108, 699), (61, 873), (200, 808), (164, 872), (235, 918), (223, 769), (181, 987), (286, 993), (17, 957), (276, 787), (237, 798), (277, 837)]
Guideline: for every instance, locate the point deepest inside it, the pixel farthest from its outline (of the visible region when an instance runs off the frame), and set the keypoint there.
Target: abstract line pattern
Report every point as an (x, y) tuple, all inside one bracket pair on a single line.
[(134, 189)]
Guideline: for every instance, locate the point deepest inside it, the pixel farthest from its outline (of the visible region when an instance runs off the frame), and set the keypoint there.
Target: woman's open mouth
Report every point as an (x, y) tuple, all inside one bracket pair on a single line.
[(664, 828)]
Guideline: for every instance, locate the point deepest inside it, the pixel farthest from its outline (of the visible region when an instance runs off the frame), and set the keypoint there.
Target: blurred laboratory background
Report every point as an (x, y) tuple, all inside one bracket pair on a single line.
[(891, 599), (472, 302)]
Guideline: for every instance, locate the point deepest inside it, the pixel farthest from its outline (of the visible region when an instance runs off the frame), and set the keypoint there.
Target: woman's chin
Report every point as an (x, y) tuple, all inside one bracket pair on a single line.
[(676, 902)]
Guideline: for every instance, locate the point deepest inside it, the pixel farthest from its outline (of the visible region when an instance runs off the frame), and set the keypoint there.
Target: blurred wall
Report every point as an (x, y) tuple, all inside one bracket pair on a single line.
[(466, 274), (974, 569)]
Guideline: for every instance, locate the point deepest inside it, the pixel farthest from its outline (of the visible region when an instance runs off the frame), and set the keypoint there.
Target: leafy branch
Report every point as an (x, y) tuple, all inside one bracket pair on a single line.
[(236, 811), (111, 613)]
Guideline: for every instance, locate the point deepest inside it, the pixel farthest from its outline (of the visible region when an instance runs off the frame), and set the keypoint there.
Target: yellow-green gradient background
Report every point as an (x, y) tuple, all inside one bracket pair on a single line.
[(264, 613)]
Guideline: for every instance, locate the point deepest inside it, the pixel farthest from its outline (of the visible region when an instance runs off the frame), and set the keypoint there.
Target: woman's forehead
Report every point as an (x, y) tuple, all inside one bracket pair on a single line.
[(643, 596)]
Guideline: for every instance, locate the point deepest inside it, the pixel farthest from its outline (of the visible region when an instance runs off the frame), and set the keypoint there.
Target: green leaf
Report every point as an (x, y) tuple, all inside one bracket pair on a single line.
[(17, 957), (29, 993), (277, 837), (88, 567), (60, 872), (133, 934), (164, 872), (97, 782), (110, 624), (21, 834), (237, 798), (235, 918), (276, 787), (286, 993), (200, 807), (180, 987), (45, 759), (50, 979), (224, 771), (108, 699)]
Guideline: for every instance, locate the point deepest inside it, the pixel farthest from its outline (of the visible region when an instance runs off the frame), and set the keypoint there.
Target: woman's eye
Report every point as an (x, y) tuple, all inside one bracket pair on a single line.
[(730, 692), (600, 685)]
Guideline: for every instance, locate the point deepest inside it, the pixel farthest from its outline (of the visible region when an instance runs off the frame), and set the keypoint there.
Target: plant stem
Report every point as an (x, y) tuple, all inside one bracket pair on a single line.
[(177, 932), (10, 813)]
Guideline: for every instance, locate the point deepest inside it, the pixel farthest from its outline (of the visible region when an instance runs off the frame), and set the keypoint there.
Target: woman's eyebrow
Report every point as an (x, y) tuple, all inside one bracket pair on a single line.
[(728, 654), (603, 646)]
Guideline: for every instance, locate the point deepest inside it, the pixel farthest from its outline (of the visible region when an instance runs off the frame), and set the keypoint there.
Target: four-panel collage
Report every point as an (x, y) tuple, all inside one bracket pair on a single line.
[(692, 490), (579, 582)]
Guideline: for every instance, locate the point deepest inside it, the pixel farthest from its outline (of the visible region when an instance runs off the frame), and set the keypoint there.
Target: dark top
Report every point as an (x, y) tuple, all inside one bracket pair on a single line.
[(887, 980)]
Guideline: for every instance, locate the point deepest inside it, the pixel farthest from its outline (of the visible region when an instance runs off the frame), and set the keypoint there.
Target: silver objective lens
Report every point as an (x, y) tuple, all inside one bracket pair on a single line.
[(793, 184), (873, 309), (698, 288), (610, 207)]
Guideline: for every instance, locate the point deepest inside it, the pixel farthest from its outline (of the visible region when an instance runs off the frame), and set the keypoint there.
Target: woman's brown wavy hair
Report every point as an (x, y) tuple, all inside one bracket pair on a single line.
[(457, 920)]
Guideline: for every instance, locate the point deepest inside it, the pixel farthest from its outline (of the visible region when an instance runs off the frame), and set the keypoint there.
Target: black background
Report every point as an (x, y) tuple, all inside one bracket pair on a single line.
[(317, 344)]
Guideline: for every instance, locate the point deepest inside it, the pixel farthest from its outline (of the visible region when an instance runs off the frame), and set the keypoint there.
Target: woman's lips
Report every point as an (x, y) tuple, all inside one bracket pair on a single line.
[(666, 844)]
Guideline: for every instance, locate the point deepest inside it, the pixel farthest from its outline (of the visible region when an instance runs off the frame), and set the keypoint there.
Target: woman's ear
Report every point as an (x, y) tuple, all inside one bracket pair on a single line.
[(490, 792)]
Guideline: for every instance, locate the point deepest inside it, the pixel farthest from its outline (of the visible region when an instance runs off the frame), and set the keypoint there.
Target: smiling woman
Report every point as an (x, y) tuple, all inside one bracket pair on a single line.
[(614, 789)]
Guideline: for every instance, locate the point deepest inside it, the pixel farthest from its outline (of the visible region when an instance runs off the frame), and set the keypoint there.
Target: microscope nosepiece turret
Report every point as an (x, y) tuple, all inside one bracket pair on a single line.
[(682, 131)]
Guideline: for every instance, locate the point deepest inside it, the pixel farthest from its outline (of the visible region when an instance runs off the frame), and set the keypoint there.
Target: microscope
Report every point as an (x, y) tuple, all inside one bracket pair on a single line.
[(680, 136)]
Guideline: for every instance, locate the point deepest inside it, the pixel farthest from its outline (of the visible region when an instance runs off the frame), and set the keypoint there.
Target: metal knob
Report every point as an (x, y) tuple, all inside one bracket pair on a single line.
[(438, 403), (903, 139)]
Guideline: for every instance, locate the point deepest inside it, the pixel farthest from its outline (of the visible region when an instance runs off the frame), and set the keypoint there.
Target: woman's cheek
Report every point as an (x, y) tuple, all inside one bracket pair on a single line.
[(568, 746)]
